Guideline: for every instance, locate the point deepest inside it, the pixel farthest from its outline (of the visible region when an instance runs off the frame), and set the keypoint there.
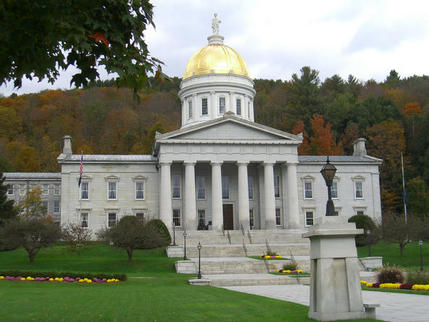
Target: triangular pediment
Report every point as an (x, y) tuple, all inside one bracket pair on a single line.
[(229, 128)]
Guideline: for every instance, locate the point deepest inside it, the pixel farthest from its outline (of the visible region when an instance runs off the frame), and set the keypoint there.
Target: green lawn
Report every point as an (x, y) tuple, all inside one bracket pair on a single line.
[(392, 256)]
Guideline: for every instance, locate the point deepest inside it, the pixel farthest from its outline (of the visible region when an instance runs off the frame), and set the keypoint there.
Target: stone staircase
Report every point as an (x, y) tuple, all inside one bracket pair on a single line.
[(225, 261)]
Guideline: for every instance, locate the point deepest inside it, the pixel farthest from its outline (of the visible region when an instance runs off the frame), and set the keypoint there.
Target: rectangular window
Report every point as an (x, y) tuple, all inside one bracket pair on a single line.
[(308, 190), (277, 186), (251, 219), (204, 106), (225, 188), (358, 190), (140, 216), (45, 205), (309, 218), (201, 186), (56, 206), (10, 189), (84, 219), (221, 105), (176, 187), (22, 189), (360, 212), (278, 217), (189, 109), (45, 189), (176, 217), (112, 190), (84, 195), (248, 109), (334, 190), (201, 219), (57, 190), (140, 190), (250, 187), (238, 105), (111, 219)]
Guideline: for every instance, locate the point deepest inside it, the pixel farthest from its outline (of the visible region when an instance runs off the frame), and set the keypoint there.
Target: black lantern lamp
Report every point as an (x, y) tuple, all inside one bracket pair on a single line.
[(199, 260), (328, 172), (184, 245)]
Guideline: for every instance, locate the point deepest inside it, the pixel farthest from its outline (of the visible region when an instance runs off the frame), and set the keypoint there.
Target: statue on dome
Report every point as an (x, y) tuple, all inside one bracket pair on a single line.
[(215, 24)]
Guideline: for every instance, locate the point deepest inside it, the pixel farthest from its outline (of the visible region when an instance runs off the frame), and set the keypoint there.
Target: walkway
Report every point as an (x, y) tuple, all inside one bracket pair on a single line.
[(393, 306)]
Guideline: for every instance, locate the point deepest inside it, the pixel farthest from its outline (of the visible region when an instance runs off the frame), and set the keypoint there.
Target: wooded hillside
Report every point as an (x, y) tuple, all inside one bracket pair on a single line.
[(393, 115)]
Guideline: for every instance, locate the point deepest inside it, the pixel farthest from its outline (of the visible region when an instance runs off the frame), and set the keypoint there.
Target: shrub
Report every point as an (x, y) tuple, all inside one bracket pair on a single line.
[(160, 235), (390, 274), (418, 277), (291, 266), (366, 223), (121, 277)]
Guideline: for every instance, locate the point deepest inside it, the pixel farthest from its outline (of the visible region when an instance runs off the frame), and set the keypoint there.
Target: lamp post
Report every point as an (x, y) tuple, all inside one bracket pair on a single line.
[(174, 234), (421, 255), (328, 173), (199, 260), (184, 245), (369, 240)]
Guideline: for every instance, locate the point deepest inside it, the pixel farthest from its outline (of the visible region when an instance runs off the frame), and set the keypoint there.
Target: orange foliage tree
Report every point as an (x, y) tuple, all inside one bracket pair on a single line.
[(322, 142)]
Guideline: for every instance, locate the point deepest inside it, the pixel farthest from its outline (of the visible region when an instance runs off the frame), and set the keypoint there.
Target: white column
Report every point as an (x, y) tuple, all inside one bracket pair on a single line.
[(231, 103), (243, 195), (292, 192), (190, 211), (165, 206), (270, 200), (217, 208)]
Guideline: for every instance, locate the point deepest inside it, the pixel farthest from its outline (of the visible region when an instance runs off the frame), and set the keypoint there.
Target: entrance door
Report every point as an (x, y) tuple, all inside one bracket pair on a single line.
[(228, 217)]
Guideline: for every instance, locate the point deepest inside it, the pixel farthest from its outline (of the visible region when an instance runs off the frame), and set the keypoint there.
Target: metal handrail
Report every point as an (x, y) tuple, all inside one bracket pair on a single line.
[(229, 236)]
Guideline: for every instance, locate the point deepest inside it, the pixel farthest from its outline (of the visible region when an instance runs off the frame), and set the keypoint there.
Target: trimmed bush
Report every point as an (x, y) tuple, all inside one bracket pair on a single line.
[(390, 274), (121, 277), (163, 237), (366, 223), (418, 277), (290, 266)]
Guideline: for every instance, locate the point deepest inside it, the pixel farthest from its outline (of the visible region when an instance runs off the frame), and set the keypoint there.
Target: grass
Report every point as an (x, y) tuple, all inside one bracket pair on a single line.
[(392, 256), (154, 292)]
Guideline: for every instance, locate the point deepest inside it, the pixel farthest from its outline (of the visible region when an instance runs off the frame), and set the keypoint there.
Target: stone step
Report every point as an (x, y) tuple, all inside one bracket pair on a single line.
[(252, 279), (296, 249)]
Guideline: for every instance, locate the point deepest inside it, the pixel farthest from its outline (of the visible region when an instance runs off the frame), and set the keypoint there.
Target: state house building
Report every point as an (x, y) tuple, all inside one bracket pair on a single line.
[(219, 171)]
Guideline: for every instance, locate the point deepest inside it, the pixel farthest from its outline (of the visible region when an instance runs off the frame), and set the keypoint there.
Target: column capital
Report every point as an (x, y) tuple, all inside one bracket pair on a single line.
[(242, 163), (213, 163), (189, 163), (161, 163), (267, 163)]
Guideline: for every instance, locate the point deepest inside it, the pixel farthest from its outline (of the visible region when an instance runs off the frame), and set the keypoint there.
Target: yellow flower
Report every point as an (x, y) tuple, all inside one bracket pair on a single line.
[(1, 277), (22, 278), (363, 283), (51, 279)]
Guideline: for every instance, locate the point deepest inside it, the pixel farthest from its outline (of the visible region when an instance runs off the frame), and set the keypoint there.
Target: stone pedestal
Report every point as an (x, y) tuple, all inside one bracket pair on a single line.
[(335, 292)]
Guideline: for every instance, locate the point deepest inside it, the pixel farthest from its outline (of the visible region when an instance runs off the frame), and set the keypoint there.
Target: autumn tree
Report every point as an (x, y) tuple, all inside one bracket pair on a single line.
[(304, 148), (41, 37), (76, 236), (323, 142)]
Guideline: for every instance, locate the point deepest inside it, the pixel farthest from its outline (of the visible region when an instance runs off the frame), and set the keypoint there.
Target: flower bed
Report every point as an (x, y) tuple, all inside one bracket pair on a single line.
[(288, 271), (91, 276), (271, 257), (58, 279), (403, 286)]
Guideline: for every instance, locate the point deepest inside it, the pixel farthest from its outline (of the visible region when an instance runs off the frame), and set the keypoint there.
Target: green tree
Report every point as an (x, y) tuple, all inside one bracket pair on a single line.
[(40, 37), (77, 236), (417, 197), (393, 80), (7, 209)]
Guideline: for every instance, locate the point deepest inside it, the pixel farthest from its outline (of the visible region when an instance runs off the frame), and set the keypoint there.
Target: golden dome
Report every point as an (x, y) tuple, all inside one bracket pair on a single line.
[(218, 59)]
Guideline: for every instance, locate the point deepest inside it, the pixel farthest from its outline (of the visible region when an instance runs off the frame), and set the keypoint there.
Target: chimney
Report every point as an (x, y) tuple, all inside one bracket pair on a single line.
[(67, 149), (359, 148)]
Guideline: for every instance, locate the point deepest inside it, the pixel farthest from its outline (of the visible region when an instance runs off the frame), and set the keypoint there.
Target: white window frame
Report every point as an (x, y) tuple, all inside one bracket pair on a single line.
[(279, 217), (201, 187), (190, 109), (109, 190), (202, 106), (84, 220), (238, 106), (108, 218), (221, 109), (57, 189), (81, 190), (307, 180), (179, 218), (45, 204), (225, 188), (250, 181), (178, 187), (248, 110), (22, 190), (142, 190), (357, 210), (203, 212), (10, 189), (358, 180), (277, 192), (45, 190), (306, 212), (335, 181), (57, 209)]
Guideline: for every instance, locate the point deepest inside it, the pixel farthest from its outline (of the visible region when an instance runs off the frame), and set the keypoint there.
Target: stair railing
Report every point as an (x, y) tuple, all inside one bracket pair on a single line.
[(268, 246), (229, 236), (244, 248), (250, 237), (242, 230)]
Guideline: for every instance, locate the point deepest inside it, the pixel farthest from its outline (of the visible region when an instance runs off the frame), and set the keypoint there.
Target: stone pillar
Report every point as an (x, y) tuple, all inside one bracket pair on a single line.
[(243, 196), (217, 207), (165, 206), (335, 291), (190, 207), (269, 198), (292, 192), (231, 107)]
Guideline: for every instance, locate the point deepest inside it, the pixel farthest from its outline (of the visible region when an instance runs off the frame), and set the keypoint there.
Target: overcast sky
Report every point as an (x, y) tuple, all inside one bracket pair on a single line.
[(276, 38)]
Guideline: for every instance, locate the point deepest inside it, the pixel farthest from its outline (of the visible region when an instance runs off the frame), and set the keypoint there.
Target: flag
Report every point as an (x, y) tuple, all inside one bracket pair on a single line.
[(81, 170)]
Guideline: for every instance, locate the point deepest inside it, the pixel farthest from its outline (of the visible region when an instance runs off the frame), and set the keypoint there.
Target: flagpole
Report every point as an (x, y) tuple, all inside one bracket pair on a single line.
[(79, 189), (404, 191)]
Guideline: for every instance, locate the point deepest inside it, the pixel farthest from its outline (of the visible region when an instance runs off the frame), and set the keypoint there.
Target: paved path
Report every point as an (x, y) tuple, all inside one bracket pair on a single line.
[(393, 306)]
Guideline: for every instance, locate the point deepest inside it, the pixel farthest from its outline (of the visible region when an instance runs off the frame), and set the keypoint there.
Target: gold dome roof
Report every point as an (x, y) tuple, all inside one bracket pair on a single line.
[(218, 59)]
